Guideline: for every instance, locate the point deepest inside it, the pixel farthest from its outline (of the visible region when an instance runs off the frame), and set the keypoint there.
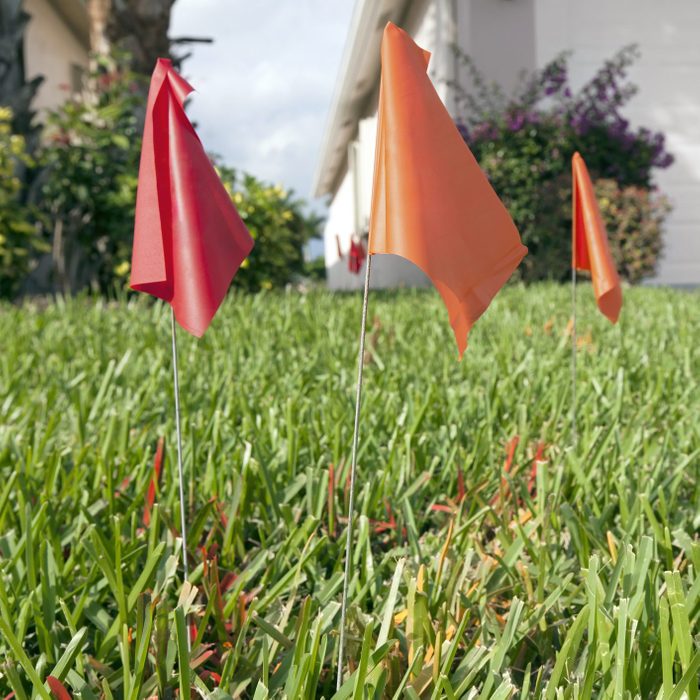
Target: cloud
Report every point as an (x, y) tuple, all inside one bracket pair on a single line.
[(264, 86)]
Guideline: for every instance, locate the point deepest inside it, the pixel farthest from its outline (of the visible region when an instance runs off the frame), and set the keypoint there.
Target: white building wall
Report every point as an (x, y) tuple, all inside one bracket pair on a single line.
[(433, 27), (50, 49), (338, 230), (668, 76), (499, 35), (367, 138)]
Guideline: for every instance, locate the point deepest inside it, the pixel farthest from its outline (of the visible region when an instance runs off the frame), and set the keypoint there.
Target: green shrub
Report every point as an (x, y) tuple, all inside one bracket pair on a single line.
[(18, 234), (280, 227), (524, 143), (633, 217), (91, 158), (89, 193)]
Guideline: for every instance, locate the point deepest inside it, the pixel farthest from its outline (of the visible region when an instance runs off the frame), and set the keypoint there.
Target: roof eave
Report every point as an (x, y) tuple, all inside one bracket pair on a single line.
[(357, 79), (74, 14)]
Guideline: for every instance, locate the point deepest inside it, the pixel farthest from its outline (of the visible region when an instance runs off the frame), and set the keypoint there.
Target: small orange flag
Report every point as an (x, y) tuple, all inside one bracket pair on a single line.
[(431, 203), (590, 249)]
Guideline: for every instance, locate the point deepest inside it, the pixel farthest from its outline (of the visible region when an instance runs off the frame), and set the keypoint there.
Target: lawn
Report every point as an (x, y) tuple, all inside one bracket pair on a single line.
[(494, 558)]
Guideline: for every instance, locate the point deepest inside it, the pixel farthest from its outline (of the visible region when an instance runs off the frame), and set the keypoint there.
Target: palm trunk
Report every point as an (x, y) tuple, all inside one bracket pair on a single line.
[(137, 26)]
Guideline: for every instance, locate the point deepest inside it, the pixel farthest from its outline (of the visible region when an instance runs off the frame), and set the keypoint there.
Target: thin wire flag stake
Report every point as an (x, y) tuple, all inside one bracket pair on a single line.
[(187, 246), (590, 251), (573, 356), (353, 469), (421, 214), (181, 479)]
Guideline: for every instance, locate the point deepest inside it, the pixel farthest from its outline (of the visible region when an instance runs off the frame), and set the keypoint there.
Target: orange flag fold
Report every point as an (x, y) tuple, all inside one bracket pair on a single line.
[(431, 203), (590, 249)]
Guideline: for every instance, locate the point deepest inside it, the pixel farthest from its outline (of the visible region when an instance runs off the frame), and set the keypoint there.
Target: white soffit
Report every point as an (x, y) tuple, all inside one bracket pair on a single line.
[(357, 79)]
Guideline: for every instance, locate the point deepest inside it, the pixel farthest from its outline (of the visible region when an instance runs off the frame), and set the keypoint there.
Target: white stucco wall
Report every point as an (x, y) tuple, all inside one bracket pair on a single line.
[(499, 35), (668, 76), (50, 48), (432, 27), (339, 222)]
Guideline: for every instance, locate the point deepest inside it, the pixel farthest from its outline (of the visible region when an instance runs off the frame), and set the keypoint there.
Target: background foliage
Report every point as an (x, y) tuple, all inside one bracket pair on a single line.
[(18, 236), (492, 559), (17, 90), (88, 192), (86, 175), (525, 142), (281, 228), (634, 219)]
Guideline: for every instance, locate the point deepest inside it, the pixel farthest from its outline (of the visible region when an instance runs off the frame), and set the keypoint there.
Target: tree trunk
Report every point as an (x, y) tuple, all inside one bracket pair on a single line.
[(137, 26), (98, 16), (16, 91)]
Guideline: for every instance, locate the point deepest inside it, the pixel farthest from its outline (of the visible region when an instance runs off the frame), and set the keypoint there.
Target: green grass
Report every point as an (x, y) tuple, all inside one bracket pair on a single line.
[(574, 576)]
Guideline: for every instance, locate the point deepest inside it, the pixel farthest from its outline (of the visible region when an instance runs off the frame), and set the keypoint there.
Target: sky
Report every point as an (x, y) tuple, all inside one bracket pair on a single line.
[(264, 87)]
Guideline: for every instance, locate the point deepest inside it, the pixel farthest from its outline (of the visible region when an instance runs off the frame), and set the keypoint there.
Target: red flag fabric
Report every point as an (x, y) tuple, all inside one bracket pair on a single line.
[(189, 240), (431, 203), (590, 249), (357, 257)]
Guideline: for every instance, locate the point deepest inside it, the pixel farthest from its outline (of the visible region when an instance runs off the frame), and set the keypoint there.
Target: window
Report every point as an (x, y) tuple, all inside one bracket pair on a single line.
[(77, 77)]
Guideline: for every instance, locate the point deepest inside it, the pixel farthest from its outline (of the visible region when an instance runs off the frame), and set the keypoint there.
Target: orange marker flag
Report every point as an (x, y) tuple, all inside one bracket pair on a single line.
[(590, 249), (431, 203)]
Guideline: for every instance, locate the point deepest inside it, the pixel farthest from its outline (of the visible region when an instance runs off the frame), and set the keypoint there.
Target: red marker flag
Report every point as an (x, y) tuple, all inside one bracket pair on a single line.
[(431, 203), (189, 240), (590, 249), (356, 258)]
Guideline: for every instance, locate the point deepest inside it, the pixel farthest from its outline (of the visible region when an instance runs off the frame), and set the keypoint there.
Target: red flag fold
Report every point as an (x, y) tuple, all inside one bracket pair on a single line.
[(189, 240)]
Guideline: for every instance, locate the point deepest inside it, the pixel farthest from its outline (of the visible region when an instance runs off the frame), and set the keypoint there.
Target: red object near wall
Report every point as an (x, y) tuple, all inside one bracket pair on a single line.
[(357, 257)]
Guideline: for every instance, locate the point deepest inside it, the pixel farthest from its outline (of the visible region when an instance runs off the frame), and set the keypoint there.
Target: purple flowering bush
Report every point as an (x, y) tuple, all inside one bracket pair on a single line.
[(524, 143)]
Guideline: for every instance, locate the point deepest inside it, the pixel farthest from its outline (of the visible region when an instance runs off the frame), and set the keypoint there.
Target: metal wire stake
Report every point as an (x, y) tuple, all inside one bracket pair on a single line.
[(353, 466), (573, 357), (181, 479)]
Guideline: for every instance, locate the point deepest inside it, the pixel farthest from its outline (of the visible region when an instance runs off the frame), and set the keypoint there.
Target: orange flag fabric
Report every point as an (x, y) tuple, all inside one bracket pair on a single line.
[(431, 203), (590, 249), (189, 240)]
